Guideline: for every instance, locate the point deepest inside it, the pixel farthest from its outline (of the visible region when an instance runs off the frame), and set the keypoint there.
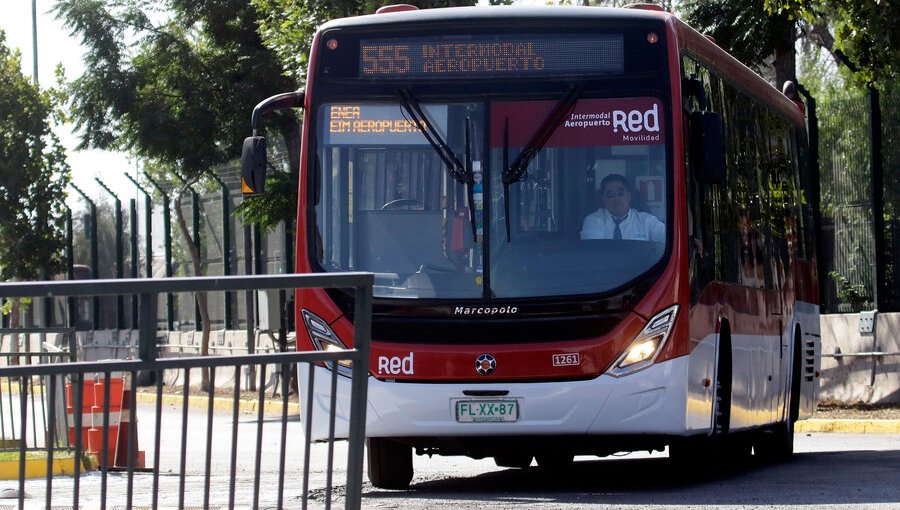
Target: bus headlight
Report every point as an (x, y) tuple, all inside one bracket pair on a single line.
[(324, 339), (646, 346)]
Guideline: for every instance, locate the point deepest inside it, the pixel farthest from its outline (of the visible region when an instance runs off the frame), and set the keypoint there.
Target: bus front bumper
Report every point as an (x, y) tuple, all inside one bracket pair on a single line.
[(654, 401)]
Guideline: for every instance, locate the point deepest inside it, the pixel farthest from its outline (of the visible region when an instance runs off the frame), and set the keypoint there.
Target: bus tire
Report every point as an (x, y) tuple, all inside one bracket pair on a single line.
[(776, 443), (513, 460), (390, 463), (554, 460), (689, 452)]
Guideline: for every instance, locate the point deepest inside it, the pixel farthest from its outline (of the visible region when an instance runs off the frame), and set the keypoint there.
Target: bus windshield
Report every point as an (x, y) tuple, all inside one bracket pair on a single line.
[(587, 214)]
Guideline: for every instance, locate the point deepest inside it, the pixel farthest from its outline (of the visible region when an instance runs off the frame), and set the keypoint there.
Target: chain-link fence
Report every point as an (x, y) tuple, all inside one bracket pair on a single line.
[(224, 246), (848, 234)]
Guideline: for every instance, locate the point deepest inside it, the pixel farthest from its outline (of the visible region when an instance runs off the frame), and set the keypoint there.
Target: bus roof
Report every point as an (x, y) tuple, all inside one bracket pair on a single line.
[(458, 15)]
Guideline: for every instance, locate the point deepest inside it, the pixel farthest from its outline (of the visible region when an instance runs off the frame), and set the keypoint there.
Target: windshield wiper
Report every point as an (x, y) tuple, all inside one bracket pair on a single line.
[(461, 173), (517, 171)]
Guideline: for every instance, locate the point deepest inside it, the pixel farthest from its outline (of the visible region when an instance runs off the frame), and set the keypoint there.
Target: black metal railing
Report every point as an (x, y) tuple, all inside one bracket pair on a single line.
[(213, 465)]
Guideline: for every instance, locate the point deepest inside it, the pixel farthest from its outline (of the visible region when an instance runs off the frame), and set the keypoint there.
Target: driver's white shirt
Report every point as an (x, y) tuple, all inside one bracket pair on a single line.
[(639, 226)]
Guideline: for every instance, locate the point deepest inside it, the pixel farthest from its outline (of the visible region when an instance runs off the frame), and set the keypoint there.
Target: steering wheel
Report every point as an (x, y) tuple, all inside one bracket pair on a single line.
[(402, 202)]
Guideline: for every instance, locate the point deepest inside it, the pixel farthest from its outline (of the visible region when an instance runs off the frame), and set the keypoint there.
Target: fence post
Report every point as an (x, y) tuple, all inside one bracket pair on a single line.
[(148, 228), (167, 243), (248, 305), (875, 158), (147, 336), (815, 187), (226, 244), (95, 263), (195, 220), (70, 269), (120, 255), (362, 329), (133, 220)]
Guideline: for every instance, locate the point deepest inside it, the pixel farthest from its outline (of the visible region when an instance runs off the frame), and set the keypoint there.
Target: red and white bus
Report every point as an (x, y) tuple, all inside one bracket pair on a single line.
[(473, 158)]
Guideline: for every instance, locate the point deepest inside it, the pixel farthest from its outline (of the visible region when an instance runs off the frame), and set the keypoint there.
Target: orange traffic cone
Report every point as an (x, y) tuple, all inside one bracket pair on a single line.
[(128, 415), (87, 401), (95, 434)]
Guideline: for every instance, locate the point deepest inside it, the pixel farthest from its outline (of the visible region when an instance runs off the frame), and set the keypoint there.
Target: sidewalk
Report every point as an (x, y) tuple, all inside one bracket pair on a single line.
[(223, 404)]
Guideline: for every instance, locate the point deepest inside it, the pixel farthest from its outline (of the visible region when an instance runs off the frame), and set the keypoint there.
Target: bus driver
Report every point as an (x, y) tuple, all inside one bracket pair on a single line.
[(617, 220)]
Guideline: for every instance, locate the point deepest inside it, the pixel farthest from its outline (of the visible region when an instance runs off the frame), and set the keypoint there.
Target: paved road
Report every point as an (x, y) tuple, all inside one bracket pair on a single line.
[(829, 471), (195, 480)]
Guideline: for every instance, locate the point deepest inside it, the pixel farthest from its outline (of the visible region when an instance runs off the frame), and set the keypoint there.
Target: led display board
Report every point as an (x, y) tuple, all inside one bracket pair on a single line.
[(491, 56)]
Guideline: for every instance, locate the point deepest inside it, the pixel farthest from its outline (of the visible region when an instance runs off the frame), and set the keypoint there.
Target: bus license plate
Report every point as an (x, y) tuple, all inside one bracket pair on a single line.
[(487, 410)]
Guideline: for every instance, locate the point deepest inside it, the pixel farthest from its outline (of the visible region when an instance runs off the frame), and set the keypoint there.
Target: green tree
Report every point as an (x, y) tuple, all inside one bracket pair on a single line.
[(33, 177), (862, 34), (288, 26), (173, 82), (753, 35)]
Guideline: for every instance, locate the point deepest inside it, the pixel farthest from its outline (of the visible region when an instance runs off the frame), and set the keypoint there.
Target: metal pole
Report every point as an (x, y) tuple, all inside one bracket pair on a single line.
[(95, 264), (120, 255), (167, 240), (876, 155), (195, 221), (148, 228), (34, 44), (812, 126), (362, 329), (134, 258), (248, 305), (226, 244), (70, 267)]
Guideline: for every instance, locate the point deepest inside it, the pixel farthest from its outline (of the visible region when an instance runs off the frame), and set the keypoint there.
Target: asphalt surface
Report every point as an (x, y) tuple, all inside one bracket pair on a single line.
[(855, 466)]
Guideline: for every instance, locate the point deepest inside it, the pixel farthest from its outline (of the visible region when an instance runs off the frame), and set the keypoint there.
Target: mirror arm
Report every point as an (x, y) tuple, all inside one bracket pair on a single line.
[(278, 102)]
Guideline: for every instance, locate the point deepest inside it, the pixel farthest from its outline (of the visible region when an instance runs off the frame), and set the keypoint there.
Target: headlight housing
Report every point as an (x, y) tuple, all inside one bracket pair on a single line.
[(646, 346), (324, 339)]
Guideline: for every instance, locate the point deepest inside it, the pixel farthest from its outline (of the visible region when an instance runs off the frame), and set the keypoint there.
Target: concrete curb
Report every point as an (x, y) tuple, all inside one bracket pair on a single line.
[(848, 426), (37, 468), (221, 404)]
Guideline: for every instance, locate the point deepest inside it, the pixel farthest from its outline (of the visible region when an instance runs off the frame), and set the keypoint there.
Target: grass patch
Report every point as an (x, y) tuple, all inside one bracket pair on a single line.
[(13, 456)]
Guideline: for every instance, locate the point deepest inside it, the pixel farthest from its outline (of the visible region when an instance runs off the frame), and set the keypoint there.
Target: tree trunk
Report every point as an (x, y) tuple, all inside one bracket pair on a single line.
[(785, 55), (202, 303), (825, 39)]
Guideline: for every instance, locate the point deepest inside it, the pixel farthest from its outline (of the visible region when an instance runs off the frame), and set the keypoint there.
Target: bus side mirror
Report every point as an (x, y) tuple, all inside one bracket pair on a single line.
[(707, 148), (253, 165), (253, 154)]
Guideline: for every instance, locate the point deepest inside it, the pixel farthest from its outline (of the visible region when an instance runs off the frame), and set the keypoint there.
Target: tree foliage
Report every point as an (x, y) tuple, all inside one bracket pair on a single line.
[(173, 82), (746, 30), (287, 26), (866, 33), (33, 176)]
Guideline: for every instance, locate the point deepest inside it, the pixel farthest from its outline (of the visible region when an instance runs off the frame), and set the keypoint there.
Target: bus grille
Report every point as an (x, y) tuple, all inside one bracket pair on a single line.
[(490, 332)]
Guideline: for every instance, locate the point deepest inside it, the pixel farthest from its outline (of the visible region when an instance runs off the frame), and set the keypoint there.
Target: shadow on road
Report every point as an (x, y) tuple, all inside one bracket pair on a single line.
[(808, 478)]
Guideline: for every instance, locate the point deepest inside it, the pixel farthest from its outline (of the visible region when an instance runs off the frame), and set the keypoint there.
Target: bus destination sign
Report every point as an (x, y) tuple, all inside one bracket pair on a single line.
[(490, 57), (378, 124)]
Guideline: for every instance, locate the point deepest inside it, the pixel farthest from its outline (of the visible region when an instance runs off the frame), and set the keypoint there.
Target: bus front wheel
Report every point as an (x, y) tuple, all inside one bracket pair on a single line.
[(390, 463)]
